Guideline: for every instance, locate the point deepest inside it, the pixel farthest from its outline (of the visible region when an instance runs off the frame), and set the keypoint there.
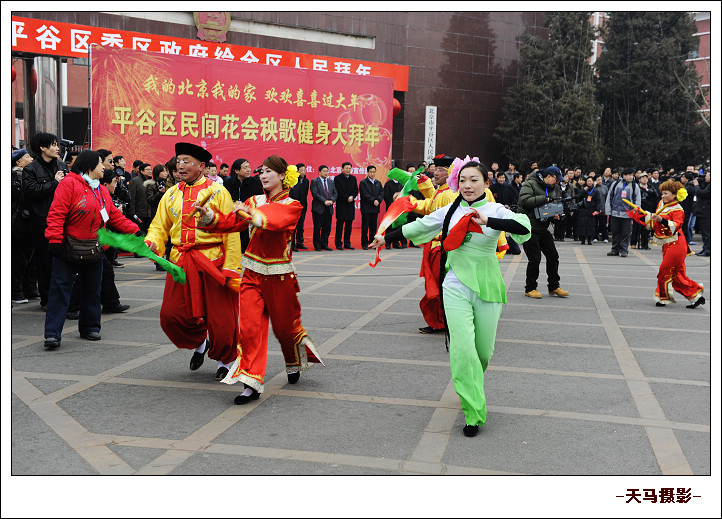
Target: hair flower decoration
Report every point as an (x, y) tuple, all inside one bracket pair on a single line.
[(291, 177), (456, 167), (681, 194)]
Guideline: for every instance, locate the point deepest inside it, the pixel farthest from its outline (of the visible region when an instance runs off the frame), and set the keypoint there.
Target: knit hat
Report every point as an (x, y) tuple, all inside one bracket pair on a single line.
[(18, 154)]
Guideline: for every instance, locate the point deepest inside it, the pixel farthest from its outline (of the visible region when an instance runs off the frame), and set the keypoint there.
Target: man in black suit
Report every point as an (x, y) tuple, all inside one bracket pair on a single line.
[(242, 186), (300, 192), (323, 193), (347, 188), (372, 194)]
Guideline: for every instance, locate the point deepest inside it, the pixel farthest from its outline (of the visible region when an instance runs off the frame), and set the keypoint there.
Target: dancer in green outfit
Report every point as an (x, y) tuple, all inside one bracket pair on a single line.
[(472, 287)]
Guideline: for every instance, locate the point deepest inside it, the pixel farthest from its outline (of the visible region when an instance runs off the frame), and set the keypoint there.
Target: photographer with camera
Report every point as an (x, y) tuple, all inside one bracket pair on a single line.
[(536, 200)]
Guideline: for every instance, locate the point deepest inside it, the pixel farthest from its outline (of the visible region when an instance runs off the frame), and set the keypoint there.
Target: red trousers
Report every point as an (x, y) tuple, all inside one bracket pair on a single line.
[(673, 271), (430, 304), (219, 323), (273, 297)]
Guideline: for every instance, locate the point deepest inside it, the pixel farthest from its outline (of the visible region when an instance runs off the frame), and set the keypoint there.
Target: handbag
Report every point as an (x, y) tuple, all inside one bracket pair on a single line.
[(82, 251)]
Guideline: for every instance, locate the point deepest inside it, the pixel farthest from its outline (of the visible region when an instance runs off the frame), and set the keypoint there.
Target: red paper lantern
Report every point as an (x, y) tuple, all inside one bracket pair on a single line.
[(397, 107), (15, 74), (33, 81)]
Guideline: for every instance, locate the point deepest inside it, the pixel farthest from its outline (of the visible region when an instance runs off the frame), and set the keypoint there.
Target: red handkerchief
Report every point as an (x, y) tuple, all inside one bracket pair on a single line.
[(457, 234)]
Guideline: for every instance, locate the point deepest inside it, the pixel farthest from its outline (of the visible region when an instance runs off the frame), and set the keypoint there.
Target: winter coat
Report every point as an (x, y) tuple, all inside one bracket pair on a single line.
[(75, 211), (534, 193), (138, 201), (300, 191), (586, 221), (39, 186), (370, 192), (345, 187), (242, 191), (703, 208)]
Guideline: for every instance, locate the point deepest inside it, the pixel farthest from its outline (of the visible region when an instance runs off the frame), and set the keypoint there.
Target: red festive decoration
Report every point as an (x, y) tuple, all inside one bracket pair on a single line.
[(397, 107)]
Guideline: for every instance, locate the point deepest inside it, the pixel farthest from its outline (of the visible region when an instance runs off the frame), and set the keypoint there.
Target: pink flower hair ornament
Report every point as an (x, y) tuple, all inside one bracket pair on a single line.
[(453, 180)]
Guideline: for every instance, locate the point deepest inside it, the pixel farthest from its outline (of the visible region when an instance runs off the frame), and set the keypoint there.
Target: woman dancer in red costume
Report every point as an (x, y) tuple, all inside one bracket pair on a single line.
[(666, 222), (269, 286)]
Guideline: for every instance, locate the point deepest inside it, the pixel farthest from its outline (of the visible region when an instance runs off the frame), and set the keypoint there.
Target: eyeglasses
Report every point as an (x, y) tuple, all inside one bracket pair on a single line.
[(186, 162)]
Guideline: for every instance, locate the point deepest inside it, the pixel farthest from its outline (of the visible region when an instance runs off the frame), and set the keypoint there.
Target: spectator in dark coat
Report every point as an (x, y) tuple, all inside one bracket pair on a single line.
[(24, 285), (242, 186), (40, 179), (372, 194), (503, 193), (590, 204), (138, 206), (703, 211), (300, 192), (688, 204), (347, 189)]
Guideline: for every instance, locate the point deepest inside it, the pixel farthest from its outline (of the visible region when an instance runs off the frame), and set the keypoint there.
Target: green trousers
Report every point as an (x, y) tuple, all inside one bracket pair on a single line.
[(472, 329)]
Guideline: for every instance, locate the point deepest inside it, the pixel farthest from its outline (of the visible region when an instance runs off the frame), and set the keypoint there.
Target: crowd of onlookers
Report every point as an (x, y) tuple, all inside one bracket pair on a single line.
[(590, 216)]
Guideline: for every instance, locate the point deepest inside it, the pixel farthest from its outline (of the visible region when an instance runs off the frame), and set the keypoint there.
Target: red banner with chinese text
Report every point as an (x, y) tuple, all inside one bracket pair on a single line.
[(143, 103), (66, 39)]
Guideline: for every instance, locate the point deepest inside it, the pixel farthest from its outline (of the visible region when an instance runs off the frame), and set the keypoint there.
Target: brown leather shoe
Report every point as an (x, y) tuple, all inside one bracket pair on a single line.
[(559, 292), (533, 293)]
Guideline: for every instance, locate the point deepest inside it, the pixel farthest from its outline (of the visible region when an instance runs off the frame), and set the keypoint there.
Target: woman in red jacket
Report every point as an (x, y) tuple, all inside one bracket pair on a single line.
[(81, 206)]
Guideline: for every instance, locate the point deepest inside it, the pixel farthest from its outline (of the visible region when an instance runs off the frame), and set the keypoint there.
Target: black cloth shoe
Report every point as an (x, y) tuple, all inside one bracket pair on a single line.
[(240, 399), (661, 305), (302, 246), (403, 245), (339, 248), (612, 253), (74, 315), (293, 377), (51, 343), (221, 373), (429, 329), (318, 248), (197, 359), (471, 430), (699, 301), (91, 336), (326, 247), (117, 264), (294, 249), (115, 309), (364, 247), (349, 247), (159, 268), (623, 254)]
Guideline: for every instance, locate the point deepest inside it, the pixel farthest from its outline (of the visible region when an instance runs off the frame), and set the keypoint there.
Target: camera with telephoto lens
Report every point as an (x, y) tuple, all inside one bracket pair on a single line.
[(570, 204), (66, 142)]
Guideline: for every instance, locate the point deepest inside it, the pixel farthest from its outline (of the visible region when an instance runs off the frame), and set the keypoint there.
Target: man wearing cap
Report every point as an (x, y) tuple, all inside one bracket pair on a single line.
[(620, 224), (202, 314), (538, 190)]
